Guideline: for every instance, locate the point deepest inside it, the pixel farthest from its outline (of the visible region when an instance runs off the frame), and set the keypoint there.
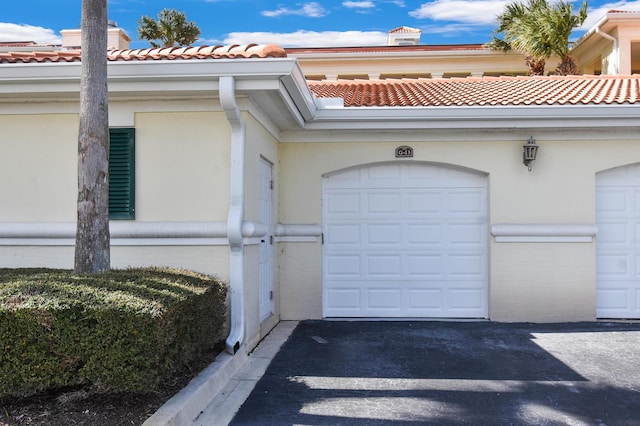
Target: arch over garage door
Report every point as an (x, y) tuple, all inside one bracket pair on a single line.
[(618, 242), (405, 239)]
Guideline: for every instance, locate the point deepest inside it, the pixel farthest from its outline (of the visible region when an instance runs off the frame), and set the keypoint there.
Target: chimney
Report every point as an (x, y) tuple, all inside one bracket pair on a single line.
[(117, 38), (404, 36)]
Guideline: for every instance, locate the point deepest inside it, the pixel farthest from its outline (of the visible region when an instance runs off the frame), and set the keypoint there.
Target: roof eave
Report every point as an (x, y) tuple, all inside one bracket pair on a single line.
[(477, 117)]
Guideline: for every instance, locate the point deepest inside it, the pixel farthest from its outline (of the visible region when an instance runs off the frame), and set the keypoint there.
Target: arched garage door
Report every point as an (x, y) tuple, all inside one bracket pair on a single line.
[(405, 240), (618, 242)]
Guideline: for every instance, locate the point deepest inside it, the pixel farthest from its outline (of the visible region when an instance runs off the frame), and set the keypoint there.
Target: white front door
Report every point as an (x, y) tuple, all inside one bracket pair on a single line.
[(618, 242), (405, 240), (266, 247)]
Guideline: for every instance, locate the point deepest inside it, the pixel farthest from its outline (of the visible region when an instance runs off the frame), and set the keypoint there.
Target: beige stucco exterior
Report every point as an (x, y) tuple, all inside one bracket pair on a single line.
[(611, 46), (541, 281), (202, 134)]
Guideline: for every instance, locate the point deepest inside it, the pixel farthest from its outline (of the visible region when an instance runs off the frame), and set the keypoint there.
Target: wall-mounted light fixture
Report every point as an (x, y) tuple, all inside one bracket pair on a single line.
[(530, 149)]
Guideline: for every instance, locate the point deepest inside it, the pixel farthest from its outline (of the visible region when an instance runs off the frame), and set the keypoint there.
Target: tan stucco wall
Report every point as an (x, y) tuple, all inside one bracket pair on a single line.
[(182, 174), (182, 166), (528, 281), (38, 167)]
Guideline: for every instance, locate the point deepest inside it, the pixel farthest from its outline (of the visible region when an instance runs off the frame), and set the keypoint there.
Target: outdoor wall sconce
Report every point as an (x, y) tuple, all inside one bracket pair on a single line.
[(530, 150)]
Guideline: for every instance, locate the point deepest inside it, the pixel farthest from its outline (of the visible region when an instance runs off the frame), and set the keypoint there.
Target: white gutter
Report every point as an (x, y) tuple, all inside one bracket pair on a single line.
[(616, 54), (236, 213)]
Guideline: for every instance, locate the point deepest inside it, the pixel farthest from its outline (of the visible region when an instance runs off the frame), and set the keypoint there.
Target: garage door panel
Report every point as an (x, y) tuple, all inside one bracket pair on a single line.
[(384, 234), (383, 203), (614, 299), (421, 202), (612, 201), (613, 265), (384, 298), (426, 299), (344, 203), (420, 244), (466, 265), (424, 234), (464, 201), (343, 265), (468, 234), (386, 265), (614, 233), (344, 299), (618, 242), (343, 234), (424, 265), (466, 299)]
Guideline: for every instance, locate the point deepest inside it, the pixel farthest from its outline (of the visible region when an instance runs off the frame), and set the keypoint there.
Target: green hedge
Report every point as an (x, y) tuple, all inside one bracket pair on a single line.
[(123, 330)]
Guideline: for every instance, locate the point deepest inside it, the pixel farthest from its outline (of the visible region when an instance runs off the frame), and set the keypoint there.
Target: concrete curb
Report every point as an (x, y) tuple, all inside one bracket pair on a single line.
[(215, 385), (187, 404)]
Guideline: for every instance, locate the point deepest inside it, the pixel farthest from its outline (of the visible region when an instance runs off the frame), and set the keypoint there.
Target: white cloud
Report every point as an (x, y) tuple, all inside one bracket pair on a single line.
[(358, 4), (22, 32), (304, 38), (467, 11), (310, 10)]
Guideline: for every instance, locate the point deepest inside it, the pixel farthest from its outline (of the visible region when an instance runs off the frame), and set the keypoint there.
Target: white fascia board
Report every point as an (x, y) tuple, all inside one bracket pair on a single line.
[(477, 117), (201, 69), (61, 77), (298, 90), (39, 72)]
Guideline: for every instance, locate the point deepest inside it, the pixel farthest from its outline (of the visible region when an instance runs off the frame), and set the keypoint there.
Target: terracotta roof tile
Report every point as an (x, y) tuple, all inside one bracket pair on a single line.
[(552, 90), (165, 53), (404, 29)]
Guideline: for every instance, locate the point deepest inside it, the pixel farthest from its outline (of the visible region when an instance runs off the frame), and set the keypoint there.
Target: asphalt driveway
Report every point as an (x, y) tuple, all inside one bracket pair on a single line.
[(476, 373)]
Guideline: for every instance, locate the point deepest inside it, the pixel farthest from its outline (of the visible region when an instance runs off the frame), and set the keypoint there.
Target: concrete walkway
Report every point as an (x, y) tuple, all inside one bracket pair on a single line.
[(216, 394)]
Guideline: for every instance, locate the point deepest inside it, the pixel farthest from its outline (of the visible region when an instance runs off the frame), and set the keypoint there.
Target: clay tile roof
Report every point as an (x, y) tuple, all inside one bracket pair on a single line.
[(404, 29), (200, 52), (164, 53), (58, 56), (552, 90)]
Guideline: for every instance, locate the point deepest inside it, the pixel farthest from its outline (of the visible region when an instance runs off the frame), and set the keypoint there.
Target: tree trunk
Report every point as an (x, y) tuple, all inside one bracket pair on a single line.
[(92, 251), (567, 66), (536, 66)]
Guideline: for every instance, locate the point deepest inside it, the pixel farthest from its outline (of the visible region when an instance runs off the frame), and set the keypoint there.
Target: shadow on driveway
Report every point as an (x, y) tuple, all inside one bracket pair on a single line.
[(374, 373)]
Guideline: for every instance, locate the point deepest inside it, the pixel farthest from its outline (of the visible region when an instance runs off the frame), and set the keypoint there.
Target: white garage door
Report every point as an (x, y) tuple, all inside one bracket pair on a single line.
[(405, 240), (618, 242)]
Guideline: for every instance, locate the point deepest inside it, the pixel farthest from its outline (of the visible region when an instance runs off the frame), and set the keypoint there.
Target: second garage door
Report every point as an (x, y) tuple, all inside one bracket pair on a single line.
[(618, 242), (405, 240)]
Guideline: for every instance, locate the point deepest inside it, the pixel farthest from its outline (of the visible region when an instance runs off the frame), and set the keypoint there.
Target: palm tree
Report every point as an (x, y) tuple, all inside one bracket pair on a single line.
[(92, 250), (538, 30), (169, 30)]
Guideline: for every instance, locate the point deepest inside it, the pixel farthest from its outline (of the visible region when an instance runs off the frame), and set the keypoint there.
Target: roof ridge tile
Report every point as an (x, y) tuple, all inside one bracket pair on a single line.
[(252, 50)]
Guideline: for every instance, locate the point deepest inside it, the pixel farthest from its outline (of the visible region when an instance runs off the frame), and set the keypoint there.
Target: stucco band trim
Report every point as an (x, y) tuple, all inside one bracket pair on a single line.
[(543, 233)]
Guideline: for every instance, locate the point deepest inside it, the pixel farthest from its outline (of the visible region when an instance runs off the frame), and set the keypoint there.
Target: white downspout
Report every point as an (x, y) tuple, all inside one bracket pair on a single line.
[(236, 213), (616, 55)]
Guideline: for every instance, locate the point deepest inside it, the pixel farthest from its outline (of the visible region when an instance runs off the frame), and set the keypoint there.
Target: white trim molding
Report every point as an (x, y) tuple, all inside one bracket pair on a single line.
[(543, 233), (297, 232), (130, 233)]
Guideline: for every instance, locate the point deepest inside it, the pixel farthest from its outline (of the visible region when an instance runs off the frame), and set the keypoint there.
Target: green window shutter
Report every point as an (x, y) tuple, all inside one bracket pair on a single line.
[(122, 174)]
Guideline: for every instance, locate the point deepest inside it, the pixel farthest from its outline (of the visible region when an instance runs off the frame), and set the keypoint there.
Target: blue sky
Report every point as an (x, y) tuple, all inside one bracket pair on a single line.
[(288, 23)]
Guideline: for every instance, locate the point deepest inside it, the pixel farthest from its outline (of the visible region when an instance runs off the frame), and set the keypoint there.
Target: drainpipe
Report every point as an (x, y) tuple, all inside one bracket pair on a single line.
[(615, 48), (236, 213)]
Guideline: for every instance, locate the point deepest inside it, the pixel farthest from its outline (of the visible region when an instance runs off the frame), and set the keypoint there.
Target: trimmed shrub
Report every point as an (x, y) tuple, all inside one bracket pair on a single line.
[(123, 330)]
